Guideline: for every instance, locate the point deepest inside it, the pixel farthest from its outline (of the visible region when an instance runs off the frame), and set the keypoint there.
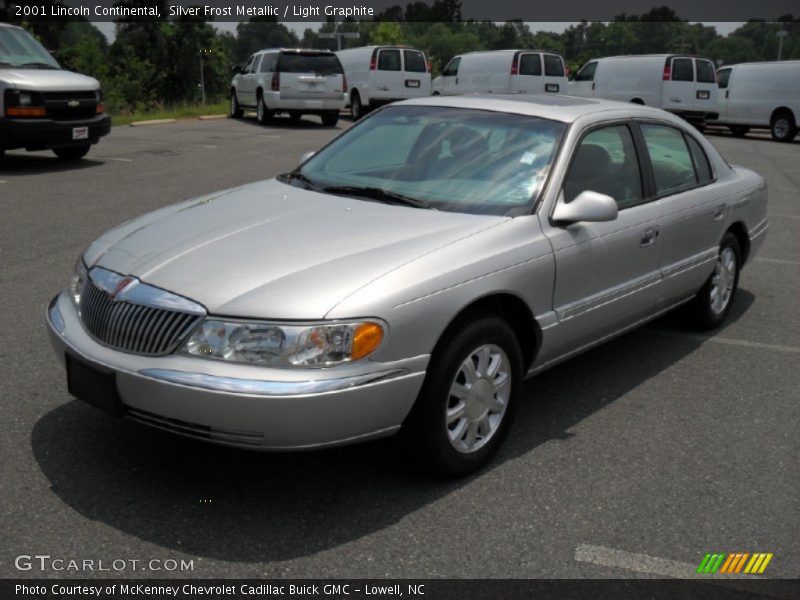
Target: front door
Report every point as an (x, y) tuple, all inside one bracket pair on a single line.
[(583, 83)]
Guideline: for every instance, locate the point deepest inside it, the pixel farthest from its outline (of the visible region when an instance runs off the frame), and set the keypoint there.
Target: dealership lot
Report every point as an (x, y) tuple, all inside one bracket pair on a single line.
[(632, 460)]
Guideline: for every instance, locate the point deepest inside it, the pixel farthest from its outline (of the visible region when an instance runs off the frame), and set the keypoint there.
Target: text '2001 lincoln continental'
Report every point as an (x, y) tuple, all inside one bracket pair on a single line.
[(408, 276)]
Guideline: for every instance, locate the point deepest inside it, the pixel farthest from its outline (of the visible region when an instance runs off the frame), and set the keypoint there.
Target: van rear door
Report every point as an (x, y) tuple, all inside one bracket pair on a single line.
[(526, 73), (679, 84), (706, 90), (416, 78), (555, 75), (309, 75), (387, 77)]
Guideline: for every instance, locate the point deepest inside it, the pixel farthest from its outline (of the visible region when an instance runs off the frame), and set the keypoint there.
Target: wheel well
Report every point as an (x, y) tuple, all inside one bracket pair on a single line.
[(638, 101), (738, 229), (515, 312), (354, 93), (782, 109)]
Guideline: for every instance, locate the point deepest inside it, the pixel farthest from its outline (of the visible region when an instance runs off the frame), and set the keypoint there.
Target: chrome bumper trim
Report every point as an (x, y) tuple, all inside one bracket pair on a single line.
[(259, 387)]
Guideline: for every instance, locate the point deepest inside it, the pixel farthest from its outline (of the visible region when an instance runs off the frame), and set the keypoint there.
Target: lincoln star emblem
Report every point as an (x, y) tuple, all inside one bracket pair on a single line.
[(73, 103), (124, 283)]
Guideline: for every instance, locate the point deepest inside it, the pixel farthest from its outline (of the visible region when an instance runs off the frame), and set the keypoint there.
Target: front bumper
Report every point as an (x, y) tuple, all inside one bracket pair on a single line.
[(241, 405), (39, 134)]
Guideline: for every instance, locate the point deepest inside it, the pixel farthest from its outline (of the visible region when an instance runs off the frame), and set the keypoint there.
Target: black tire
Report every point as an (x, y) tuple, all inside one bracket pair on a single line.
[(426, 431), (263, 114), (739, 130), (701, 307), (782, 126), (295, 116), (236, 111), (356, 108), (638, 101), (330, 118), (72, 152)]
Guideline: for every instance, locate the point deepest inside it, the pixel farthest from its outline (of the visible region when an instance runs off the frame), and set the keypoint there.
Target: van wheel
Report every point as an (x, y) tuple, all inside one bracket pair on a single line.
[(263, 114), (72, 152), (739, 130), (330, 118), (356, 108), (236, 111), (295, 116), (638, 101), (713, 302), (466, 405), (783, 127)]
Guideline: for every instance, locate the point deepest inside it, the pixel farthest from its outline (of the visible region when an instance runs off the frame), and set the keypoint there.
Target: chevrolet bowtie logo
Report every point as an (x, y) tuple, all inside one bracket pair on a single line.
[(73, 103)]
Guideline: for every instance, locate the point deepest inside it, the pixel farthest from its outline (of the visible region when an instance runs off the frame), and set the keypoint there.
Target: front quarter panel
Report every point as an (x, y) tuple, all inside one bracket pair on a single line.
[(420, 299)]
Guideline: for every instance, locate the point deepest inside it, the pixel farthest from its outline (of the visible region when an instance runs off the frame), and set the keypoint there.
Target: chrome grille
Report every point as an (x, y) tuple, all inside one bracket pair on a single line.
[(133, 327)]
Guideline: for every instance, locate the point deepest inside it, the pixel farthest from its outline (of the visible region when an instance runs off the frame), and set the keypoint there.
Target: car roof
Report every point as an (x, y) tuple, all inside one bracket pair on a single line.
[(555, 107)]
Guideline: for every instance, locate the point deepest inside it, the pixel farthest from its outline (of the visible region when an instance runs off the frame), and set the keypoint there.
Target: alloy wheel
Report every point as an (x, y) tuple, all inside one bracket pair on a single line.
[(723, 280)]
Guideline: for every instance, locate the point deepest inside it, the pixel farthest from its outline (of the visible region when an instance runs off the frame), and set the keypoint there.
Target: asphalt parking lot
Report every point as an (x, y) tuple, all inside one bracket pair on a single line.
[(633, 460)]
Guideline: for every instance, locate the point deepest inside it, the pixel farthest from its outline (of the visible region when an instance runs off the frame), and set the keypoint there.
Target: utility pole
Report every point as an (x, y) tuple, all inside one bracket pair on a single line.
[(202, 75), (339, 35), (781, 34)]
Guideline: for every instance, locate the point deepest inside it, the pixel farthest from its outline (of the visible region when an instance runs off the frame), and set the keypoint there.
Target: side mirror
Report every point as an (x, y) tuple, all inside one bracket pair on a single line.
[(587, 206), (237, 69), (306, 156)]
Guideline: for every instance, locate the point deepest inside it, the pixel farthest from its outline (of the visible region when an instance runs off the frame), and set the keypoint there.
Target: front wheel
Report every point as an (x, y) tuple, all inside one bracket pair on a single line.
[(330, 119), (236, 111), (467, 402), (713, 302), (72, 152)]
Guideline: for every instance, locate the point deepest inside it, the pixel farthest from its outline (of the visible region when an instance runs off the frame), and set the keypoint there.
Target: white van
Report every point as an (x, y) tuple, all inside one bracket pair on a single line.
[(682, 84), (42, 106), (503, 72), (382, 74), (765, 95)]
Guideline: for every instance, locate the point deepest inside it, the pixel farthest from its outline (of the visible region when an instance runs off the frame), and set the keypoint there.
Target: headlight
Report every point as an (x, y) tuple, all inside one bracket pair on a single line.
[(284, 345), (77, 281)]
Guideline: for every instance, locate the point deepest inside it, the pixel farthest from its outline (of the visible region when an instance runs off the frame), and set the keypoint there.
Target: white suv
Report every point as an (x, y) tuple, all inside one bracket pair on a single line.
[(296, 82)]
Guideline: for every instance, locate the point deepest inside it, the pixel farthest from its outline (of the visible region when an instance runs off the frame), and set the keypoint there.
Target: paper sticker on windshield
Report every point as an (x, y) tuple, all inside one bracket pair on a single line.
[(527, 158)]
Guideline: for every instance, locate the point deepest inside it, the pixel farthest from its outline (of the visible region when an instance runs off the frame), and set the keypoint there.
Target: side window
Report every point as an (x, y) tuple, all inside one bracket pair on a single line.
[(415, 61), (682, 69), (268, 63), (553, 66), (389, 60), (724, 76), (672, 164), (248, 64), (701, 164), (530, 64), (705, 72), (606, 162), (587, 72), (451, 70)]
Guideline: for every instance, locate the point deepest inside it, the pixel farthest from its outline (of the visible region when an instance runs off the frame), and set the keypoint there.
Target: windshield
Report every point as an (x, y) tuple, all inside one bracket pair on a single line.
[(20, 50), (454, 159)]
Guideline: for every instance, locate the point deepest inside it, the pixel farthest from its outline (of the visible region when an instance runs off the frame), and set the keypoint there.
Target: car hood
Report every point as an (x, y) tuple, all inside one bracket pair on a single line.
[(271, 250), (48, 80)]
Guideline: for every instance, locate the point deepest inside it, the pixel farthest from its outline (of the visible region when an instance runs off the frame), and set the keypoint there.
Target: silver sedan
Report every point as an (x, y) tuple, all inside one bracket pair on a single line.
[(408, 276)]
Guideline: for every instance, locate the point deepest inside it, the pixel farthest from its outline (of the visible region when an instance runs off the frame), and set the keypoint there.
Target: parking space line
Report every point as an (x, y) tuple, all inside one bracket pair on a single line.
[(116, 159), (728, 341), (631, 561), (782, 216), (779, 261)]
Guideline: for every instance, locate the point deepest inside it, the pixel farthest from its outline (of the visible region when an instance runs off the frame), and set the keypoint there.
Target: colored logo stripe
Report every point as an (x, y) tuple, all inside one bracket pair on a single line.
[(734, 563)]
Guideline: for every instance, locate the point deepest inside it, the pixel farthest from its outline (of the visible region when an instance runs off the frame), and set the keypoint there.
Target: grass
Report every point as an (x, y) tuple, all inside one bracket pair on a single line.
[(185, 111)]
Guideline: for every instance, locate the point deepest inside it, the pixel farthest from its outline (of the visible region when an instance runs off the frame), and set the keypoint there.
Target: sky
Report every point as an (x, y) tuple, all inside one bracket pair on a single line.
[(723, 27)]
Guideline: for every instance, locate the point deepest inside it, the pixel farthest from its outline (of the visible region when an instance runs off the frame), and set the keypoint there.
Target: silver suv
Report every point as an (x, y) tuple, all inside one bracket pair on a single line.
[(296, 82)]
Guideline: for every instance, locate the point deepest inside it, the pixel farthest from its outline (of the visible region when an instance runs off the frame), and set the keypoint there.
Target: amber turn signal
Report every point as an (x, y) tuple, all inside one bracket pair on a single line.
[(26, 111), (366, 339), (101, 108)]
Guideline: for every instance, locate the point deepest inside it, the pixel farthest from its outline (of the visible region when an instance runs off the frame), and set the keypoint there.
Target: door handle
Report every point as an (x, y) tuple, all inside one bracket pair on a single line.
[(727, 94), (593, 85), (719, 213), (649, 237)]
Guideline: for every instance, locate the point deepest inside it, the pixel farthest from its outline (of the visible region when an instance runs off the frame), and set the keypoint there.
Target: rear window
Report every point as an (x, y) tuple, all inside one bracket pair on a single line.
[(324, 64), (530, 64), (705, 72), (682, 69), (553, 66), (415, 61), (389, 60)]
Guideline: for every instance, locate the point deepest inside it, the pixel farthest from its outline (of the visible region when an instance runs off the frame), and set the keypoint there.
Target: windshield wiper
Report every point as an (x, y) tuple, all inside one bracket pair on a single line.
[(296, 174), (39, 65), (376, 193)]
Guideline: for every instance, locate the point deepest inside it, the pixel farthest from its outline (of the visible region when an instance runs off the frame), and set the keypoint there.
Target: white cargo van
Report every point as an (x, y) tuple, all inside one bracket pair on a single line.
[(42, 106), (682, 84), (503, 72), (382, 74), (763, 95)]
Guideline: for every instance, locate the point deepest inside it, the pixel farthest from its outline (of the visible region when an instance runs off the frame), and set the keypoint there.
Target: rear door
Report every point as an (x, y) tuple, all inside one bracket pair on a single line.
[(583, 83), (679, 89), (310, 75), (555, 75), (706, 91), (528, 76), (416, 78), (387, 78)]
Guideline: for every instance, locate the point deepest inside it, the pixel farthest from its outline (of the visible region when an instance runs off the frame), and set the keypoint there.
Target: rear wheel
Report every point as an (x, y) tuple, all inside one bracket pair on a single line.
[(72, 152), (330, 118), (236, 111), (712, 303), (263, 114), (783, 126), (466, 405), (356, 108), (739, 130)]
